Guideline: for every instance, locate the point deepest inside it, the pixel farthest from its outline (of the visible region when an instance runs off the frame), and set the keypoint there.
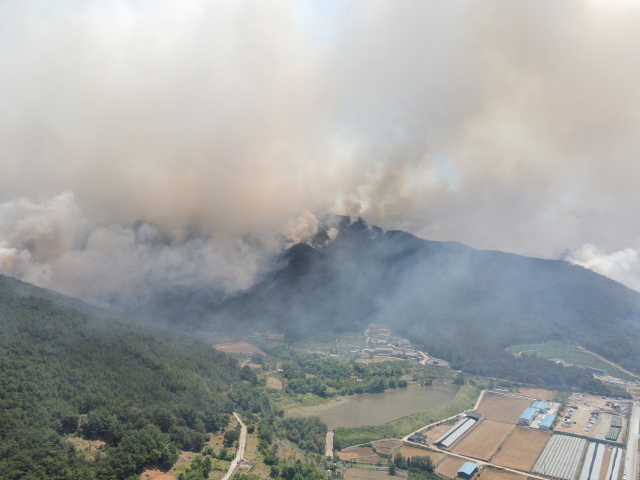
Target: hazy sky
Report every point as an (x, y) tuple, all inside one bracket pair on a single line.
[(147, 141)]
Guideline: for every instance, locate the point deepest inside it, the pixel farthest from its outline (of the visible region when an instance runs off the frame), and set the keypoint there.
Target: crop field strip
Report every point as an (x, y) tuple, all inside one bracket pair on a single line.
[(419, 452), (561, 457), (522, 448), (491, 474), (450, 466), (502, 408), (483, 441), (593, 462)]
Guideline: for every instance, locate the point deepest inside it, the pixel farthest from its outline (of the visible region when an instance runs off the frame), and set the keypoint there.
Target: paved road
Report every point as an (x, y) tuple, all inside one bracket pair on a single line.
[(632, 444), (240, 453), (328, 449)]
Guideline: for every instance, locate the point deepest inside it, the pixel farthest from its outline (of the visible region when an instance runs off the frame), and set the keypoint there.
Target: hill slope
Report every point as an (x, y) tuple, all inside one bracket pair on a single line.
[(145, 391), (451, 298)]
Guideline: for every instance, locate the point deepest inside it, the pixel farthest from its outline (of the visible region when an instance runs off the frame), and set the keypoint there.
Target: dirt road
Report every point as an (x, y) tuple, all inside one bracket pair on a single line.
[(240, 454), (329, 444)]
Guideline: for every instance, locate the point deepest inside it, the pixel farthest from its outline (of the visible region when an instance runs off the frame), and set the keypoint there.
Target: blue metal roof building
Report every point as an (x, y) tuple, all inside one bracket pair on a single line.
[(527, 417), (546, 422), (540, 406), (467, 470)]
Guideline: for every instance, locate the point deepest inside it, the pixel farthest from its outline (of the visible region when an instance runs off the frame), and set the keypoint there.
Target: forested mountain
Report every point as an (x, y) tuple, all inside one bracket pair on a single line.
[(64, 366), (461, 304)]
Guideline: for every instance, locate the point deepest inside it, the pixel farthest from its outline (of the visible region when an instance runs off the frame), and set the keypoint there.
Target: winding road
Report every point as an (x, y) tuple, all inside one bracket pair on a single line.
[(240, 453)]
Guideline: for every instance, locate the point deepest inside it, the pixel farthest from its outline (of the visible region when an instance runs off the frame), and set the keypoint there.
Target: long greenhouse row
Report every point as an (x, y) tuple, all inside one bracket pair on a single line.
[(561, 457)]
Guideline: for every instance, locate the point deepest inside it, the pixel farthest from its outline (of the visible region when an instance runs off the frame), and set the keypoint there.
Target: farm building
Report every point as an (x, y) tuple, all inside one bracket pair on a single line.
[(540, 406), (614, 464), (467, 470), (475, 415), (593, 462), (561, 457), (404, 342), (384, 350), (527, 417), (546, 422), (459, 429)]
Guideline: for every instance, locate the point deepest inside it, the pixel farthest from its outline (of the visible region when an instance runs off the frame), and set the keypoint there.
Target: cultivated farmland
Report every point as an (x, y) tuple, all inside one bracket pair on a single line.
[(420, 452), (490, 474), (386, 446), (502, 408), (360, 474), (522, 449), (484, 439), (354, 453), (450, 466)]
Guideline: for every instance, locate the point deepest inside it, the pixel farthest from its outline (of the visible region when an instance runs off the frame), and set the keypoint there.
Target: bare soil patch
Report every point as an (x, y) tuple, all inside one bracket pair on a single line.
[(605, 464), (420, 452), (274, 383), (359, 474), (522, 449), (491, 474), (353, 453), (502, 408), (450, 466), (236, 347), (483, 441), (156, 475), (538, 393), (386, 446)]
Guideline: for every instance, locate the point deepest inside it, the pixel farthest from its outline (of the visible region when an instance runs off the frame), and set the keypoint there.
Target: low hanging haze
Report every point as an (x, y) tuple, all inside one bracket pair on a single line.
[(186, 142)]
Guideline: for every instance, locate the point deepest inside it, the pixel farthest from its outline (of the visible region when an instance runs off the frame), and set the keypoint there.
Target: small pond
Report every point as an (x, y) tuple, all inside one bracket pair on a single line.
[(378, 408)]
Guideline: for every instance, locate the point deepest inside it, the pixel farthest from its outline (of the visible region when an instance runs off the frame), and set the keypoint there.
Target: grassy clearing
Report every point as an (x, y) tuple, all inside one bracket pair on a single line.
[(346, 437), (572, 355)]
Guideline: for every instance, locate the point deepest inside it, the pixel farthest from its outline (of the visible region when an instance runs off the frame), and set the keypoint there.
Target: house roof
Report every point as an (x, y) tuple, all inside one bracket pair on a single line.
[(468, 468)]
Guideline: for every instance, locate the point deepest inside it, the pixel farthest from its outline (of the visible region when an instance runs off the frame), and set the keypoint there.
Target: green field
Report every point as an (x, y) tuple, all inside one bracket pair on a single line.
[(572, 355)]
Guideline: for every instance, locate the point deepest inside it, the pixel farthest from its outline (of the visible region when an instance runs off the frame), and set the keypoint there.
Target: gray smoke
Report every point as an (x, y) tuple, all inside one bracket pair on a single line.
[(191, 134)]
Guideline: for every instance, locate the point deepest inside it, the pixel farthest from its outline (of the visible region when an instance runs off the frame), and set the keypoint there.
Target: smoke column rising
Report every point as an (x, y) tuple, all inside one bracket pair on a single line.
[(194, 136)]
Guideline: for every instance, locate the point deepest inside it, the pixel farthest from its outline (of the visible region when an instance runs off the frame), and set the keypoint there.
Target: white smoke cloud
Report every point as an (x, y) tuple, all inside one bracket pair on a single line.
[(503, 125), (52, 244), (622, 266)]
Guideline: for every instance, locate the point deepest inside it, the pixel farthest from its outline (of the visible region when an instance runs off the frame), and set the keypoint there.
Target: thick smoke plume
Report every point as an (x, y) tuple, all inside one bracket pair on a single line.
[(191, 133)]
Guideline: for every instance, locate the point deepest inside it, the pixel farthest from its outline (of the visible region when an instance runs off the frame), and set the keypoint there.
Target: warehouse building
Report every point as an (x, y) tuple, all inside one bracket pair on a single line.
[(560, 458), (546, 422), (467, 470), (527, 417), (540, 406), (593, 462), (459, 429)]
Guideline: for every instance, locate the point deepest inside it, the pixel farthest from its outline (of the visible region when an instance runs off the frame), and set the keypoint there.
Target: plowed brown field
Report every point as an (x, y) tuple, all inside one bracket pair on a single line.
[(420, 452), (450, 466), (386, 446), (483, 441), (358, 474), (502, 408), (353, 453), (490, 474), (522, 448)]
